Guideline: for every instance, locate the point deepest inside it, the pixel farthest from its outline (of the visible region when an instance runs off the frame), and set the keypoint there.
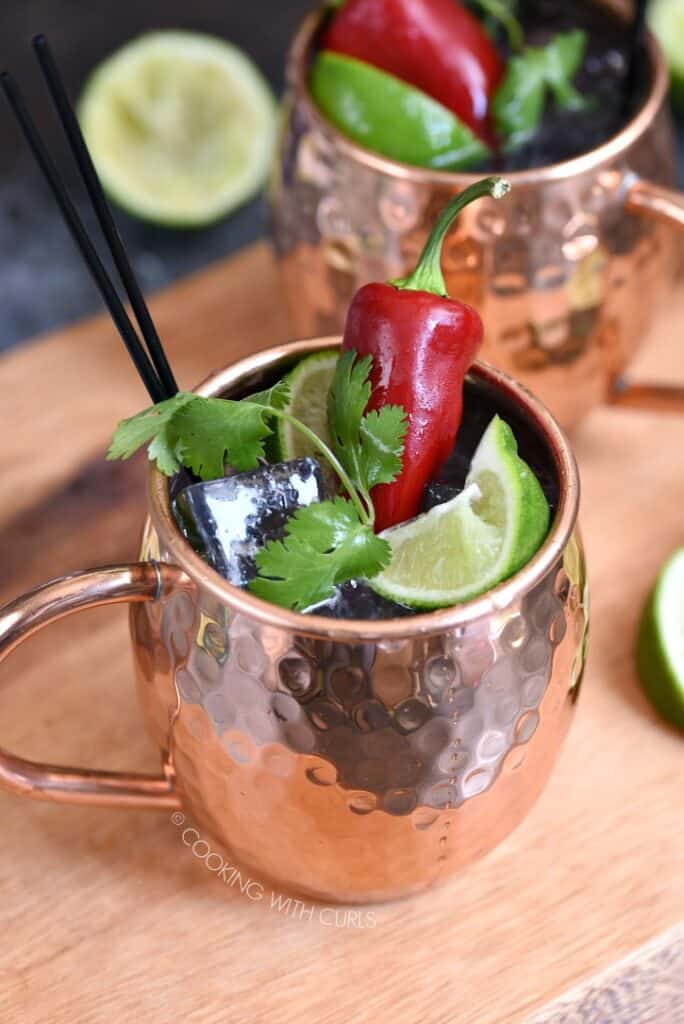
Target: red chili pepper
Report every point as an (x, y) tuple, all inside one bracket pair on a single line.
[(422, 344), (436, 45)]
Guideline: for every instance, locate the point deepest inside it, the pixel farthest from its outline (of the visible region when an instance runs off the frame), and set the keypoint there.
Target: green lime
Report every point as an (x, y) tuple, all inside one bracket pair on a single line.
[(666, 18), (660, 649), (388, 116), (309, 386), (181, 127), (468, 545)]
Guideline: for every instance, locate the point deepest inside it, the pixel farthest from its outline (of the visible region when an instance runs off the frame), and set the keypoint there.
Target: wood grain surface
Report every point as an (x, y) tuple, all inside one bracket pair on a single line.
[(108, 916)]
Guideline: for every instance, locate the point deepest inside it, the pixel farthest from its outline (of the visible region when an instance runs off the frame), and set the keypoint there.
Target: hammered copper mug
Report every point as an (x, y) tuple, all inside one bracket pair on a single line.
[(348, 760), (567, 271)]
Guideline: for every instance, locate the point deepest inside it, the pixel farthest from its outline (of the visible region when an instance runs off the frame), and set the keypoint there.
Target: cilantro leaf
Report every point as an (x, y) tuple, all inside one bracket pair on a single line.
[(565, 55), (214, 431), (200, 433), (503, 12), (325, 544), (278, 397), (350, 392), (369, 446), (519, 103), (382, 443), (153, 424), (166, 451)]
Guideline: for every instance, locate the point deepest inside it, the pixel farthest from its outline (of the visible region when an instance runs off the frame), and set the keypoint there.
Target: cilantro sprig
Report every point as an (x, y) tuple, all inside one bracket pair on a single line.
[(332, 542), (326, 543), (531, 75), (205, 434), (368, 445)]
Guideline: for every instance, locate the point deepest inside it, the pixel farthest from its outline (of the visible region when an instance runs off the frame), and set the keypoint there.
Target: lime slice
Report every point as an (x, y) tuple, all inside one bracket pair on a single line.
[(388, 116), (180, 126), (468, 545), (660, 649), (309, 386), (666, 18)]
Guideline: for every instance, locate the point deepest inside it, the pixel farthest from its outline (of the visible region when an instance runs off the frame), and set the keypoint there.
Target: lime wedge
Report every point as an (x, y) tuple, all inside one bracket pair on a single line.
[(666, 18), (309, 386), (660, 649), (388, 116), (468, 545), (181, 127)]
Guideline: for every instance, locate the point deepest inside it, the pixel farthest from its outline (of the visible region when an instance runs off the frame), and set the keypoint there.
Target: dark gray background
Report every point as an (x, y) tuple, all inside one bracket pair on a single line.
[(42, 281)]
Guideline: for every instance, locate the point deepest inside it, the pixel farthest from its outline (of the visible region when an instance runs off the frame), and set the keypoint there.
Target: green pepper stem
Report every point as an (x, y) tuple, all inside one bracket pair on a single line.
[(428, 276), (364, 515)]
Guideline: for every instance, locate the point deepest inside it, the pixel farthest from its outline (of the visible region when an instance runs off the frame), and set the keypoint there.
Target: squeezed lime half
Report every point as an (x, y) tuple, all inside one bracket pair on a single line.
[(180, 126)]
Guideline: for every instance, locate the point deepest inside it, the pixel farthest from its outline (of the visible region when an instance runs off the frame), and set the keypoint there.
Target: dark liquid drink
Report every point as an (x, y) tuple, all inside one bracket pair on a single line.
[(354, 600), (602, 78)]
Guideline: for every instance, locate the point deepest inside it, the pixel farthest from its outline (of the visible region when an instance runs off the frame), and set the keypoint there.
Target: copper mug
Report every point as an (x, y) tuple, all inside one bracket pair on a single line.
[(567, 271), (348, 760)]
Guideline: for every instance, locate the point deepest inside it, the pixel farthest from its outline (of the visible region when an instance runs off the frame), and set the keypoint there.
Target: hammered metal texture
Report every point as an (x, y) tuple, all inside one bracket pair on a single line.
[(566, 281), (361, 771), (359, 761)]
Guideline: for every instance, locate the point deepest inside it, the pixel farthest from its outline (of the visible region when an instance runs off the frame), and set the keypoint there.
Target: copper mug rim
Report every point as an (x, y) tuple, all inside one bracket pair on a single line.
[(607, 151), (241, 602)]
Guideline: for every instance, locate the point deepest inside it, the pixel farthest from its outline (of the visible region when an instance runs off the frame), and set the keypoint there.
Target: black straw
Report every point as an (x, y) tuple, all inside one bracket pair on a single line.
[(93, 186), (80, 236), (634, 49)]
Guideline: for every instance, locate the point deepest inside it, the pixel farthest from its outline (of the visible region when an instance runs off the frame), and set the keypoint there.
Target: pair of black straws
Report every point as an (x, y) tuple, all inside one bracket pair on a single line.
[(152, 365)]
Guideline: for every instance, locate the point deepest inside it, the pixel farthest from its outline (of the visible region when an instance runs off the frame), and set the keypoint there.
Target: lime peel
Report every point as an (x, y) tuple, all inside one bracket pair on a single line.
[(660, 647), (465, 547), (666, 19), (391, 117), (309, 384)]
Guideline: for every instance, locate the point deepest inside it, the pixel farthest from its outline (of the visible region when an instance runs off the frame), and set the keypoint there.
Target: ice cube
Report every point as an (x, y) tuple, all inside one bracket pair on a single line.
[(227, 521), (358, 600)]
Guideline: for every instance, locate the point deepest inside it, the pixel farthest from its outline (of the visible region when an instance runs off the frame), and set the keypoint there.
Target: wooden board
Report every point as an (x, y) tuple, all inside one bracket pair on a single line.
[(107, 916)]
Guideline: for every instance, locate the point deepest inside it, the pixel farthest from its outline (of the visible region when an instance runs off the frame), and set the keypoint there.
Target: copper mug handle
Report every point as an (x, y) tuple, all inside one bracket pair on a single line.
[(141, 581), (645, 199)]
